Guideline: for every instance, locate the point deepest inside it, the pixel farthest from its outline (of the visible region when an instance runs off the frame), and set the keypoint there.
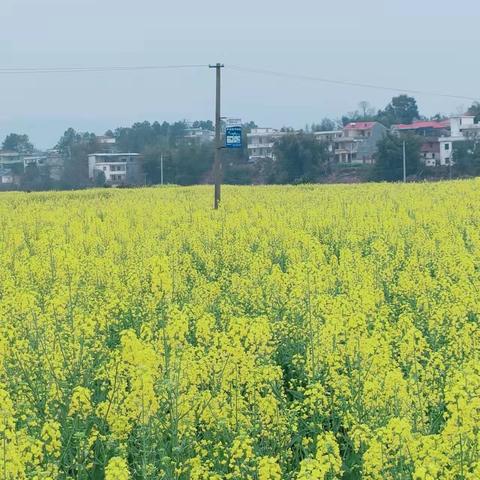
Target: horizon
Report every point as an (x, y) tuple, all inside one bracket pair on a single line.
[(410, 46)]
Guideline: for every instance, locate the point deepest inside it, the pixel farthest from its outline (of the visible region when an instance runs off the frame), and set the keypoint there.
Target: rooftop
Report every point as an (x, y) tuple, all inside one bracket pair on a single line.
[(359, 125), (115, 154), (423, 124)]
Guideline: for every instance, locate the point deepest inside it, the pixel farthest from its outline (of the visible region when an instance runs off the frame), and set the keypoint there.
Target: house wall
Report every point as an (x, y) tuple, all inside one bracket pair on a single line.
[(446, 150), (368, 147), (457, 123), (120, 169)]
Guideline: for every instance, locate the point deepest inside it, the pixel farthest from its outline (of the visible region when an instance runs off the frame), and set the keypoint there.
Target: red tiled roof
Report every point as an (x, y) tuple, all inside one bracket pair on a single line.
[(425, 124), (359, 125)]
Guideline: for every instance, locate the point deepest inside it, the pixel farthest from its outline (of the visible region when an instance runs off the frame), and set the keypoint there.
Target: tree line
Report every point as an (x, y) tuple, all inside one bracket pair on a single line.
[(299, 157)]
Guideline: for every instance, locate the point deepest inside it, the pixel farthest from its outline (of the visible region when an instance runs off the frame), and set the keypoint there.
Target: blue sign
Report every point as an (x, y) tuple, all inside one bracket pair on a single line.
[(233, 137)]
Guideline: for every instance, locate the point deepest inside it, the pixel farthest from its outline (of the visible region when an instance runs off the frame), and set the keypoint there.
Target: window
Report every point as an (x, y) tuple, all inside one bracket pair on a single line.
[(447, 146)]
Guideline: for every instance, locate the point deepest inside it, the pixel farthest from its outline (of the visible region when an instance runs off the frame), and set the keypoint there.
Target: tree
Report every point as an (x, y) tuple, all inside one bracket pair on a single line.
[(389, 158), (99, 178), (17, 143), (475, 110), (191, 163), (402, 109), (438, 117), (299, 158), (466, 157), (75, 148), (367, 111), (325, 125), (366, 114)]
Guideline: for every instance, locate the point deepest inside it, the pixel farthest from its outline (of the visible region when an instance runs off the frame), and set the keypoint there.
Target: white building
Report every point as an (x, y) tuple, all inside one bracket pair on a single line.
[(356, 143), (199, 135), (329, 138), (35, 160), (8, 159), (462, 128), (118, 168), (106, 140), (260, 143), (6, 177)]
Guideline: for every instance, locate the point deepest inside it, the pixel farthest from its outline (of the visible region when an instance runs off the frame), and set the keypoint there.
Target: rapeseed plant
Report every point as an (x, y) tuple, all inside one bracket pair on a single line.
[(310, 332)]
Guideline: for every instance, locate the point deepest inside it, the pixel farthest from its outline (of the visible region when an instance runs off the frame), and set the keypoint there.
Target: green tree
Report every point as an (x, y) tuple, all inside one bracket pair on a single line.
[(389, 158), (17, 143), (466, 157), (99, 178), (75, 148), (35, 178), (402, 109), (192, 164), (365, 114), (475, 110), (325, 125), (299, 158)]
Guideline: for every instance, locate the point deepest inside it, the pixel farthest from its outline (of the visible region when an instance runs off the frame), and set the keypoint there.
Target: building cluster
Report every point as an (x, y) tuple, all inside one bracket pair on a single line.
[(13, 166), (356, 142), (439, 138), (108, 166)]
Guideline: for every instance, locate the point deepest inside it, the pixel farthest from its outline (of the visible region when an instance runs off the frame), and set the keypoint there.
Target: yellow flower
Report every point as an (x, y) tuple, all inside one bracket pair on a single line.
[(117, 469)]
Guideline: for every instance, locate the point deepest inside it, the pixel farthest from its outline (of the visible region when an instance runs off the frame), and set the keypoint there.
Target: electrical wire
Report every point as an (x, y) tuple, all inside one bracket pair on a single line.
[(33, 70), (346, 82), (6, 70)]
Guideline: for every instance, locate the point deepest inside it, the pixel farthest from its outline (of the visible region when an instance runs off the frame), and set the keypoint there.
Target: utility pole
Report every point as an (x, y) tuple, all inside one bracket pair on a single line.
[(404, 163), (161, 168), (217, 166)]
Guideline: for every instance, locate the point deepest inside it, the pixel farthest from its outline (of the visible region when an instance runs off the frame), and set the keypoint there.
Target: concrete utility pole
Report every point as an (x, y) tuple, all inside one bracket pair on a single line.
[(217, 166), (404, 163)]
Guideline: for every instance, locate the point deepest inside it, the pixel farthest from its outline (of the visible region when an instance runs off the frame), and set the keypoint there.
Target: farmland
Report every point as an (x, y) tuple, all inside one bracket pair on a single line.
[(308, 332)]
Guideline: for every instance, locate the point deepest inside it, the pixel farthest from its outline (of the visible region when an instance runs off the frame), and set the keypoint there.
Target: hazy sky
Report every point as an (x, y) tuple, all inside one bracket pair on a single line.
[(428, 45)]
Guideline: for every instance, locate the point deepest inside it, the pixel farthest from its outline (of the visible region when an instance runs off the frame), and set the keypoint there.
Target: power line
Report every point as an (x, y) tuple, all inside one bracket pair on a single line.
[(345, 82), (114, 68), (7, 70)]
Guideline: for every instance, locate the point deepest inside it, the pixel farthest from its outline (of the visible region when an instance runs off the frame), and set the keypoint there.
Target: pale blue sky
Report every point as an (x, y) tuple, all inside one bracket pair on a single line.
[(424, 45)]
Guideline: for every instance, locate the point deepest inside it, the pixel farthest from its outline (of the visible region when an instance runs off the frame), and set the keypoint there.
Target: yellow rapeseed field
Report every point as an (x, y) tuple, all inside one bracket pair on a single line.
[(311, 332)]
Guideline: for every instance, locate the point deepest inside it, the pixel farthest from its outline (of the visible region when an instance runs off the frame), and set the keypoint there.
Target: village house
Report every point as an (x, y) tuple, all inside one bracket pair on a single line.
[(11, 160), (440, 137), (196, 135), (462, 128), (7, 178), (117, 168), (429, 128), (431, 131), (260, 143), (328, 137), (358, 143)]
